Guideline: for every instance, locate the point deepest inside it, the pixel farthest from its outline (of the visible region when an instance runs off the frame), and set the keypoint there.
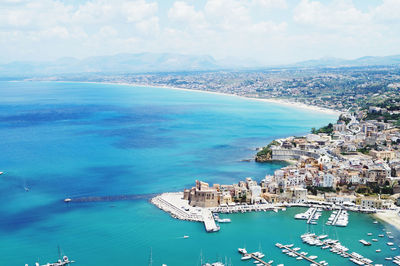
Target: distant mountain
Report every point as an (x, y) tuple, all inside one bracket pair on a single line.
[(167, 62), (362, 61), (120, 63)]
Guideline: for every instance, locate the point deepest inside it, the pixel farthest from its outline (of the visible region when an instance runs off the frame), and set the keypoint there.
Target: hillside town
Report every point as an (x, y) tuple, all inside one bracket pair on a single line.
[(353, 164)]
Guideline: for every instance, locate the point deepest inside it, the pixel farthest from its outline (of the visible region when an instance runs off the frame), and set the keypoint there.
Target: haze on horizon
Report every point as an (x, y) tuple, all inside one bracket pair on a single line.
[(264, 31)]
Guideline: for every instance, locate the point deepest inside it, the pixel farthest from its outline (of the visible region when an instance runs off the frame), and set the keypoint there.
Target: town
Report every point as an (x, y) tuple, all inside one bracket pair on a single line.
[(352, 165)]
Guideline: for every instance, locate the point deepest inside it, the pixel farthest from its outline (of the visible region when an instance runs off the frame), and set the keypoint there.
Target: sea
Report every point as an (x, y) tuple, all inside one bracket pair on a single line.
[(113, 147)]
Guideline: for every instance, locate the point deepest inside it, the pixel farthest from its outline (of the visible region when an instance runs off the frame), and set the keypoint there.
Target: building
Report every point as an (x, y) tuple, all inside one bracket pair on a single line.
[(202, 195)]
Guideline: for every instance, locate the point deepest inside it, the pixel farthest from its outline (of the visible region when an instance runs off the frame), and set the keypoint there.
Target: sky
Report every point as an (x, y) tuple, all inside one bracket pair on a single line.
[(265, 31)]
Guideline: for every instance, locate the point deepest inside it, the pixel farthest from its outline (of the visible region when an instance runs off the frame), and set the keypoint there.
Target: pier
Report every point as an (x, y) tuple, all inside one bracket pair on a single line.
[(336, 217), (350, 255), (313, 211), (209, 222), (253, 256), (301, 255)]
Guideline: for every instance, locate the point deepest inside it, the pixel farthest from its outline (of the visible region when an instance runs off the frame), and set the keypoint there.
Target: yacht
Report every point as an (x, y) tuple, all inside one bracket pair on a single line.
[(246, 257)]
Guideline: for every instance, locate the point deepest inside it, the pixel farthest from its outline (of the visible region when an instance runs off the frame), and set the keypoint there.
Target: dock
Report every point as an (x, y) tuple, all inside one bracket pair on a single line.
[(314, 210), (301, 255), (348, 254), (253, 256), (209, 222), (336, 217)]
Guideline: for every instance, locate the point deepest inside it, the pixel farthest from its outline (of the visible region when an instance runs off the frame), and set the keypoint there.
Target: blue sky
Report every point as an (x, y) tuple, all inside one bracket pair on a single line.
[(267, 31)]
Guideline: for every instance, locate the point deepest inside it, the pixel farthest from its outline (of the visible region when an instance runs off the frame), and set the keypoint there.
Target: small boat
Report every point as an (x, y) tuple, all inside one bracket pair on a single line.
[(365, 243), (370, 234), (299, 258), (246, 257), (313, 257), (1, 173), (388, 258), (375, 240), (270, 262), (390, 243), (185, 236), (242, 250), (67, 200), (381, 235), (393, 248), (275, 210), (378, 250), (375, 222)]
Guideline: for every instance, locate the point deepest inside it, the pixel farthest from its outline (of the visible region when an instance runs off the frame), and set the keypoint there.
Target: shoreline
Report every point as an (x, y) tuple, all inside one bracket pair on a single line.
[(282, 102), (389, 216)]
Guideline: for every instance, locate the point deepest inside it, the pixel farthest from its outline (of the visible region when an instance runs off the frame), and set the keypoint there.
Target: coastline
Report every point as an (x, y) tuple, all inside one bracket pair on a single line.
[(389, 216), (283, 102)]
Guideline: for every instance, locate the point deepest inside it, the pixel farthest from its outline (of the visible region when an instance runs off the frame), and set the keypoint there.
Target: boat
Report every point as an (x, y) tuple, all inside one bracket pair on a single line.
[(365, 243), (270, 262), (67, 200), (242, 250), (388, 258), (381, 235), (393, 248), (390, 243), (370, 234), (61, 262), (378, 250), (1, 173), (375, 222), (375, 240), (275, 210), (185, 236), (313, 257), (246, 257), (299, 258), (225, 220)]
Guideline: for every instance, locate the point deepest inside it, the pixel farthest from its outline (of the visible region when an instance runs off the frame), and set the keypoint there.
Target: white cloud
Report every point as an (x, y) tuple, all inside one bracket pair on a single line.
[(273, 30)]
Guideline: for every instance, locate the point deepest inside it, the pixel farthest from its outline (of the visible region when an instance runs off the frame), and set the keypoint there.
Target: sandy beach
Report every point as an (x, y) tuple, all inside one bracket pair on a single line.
[(389, 216), (269, 100)]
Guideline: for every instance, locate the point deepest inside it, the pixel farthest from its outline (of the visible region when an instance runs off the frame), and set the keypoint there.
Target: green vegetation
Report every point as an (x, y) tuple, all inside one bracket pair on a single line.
[(266, 151), (315, 190), (326, 129)]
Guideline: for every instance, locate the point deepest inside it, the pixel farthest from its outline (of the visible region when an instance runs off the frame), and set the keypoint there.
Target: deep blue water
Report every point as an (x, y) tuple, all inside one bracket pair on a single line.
[(78, 140)]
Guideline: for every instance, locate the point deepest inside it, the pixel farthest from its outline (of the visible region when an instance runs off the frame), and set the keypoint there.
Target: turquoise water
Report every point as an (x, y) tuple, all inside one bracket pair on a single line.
[(78, 140)]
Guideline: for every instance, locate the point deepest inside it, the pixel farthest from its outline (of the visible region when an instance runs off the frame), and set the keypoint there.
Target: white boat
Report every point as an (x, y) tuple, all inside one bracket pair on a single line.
[(370, 234), (242, 250), (313, 257), (246, 257), (393, 248), (185, 236), (378, 250), (375, 222), (225, 220), (375, 240), (390, 243), (299, 258)]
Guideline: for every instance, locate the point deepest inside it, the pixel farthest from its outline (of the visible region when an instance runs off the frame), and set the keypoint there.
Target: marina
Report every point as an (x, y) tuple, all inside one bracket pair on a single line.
[(336, 247), (299, 254)]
